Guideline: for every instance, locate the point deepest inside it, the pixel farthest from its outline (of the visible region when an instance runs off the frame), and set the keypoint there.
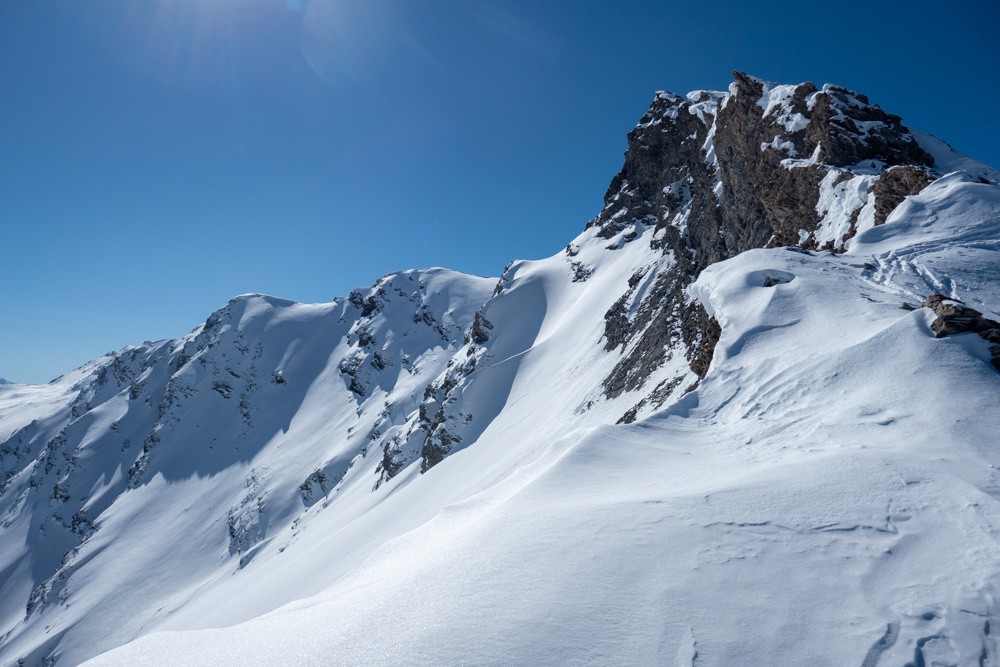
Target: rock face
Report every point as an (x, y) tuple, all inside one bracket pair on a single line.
[(895, 185), (717, 174)]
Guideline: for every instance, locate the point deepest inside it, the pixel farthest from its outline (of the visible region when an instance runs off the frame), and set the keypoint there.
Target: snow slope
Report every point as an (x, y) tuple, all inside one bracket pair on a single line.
[(440, 469), (200, 448), (818, 499)]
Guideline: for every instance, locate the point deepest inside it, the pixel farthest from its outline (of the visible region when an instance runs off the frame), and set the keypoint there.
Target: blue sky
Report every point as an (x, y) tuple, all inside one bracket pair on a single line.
[(161, 156)]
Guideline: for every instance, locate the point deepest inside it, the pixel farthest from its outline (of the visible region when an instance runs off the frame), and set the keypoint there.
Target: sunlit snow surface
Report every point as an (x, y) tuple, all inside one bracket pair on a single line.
[(828, 495)]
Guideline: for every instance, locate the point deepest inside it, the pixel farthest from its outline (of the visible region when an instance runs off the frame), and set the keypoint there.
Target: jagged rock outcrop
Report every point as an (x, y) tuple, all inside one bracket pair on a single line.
[(718, 174), (480, 331), (440, 421)]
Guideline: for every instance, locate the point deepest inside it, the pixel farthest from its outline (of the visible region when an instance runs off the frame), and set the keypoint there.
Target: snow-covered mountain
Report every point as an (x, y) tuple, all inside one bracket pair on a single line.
[(750, 415)]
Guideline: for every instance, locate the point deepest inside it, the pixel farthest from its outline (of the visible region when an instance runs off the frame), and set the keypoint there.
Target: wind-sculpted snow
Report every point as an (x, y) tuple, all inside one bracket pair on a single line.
[(672, 441)]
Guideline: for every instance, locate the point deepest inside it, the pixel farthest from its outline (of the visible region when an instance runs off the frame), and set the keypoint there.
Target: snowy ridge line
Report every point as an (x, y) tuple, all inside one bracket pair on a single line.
[(647, 444)]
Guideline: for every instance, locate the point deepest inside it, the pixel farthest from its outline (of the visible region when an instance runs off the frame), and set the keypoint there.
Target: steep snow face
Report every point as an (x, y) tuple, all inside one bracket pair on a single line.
[(789, 510), (580, 461), (128, 482)]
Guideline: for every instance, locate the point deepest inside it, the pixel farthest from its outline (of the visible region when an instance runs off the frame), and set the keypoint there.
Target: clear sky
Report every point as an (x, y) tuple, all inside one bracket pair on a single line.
[(160, 156)]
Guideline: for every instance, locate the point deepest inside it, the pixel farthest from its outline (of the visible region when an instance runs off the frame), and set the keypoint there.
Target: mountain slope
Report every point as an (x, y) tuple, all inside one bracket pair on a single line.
[(668, 439), (793, 507), (199, 447)]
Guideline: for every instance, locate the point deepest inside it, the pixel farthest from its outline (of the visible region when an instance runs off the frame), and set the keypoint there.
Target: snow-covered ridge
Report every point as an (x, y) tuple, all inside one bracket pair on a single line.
[(257, 415), (650, 426), (789, 510)]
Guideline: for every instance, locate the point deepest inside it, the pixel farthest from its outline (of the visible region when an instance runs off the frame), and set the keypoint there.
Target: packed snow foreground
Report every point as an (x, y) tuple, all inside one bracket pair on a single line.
[(791, 469)]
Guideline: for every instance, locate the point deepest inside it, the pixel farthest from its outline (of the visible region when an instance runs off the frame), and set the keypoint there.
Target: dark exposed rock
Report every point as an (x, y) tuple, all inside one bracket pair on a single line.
[(437, 418), (365, 337), (480, 331), (616, 323), (762, 201), (507, 276), (60, 493), (439, 422), (390, 464), (896, 184), (701, 334), (224, 388), (581, 272), (357, 387), (314, 488), (954, 317), (350, 366), (663, 164), (367, 304), (656, 323), (436, 449), (655, 399)]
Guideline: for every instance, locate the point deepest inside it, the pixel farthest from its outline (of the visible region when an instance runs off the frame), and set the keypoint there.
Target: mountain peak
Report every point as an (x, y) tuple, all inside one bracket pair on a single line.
[(737, 154), (772, 353)]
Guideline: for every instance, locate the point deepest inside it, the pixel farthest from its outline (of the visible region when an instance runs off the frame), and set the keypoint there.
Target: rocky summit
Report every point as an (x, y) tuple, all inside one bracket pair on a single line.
[(748, 416)]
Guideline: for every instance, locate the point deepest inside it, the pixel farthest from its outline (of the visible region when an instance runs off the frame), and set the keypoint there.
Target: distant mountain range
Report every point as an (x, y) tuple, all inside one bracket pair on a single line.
[(749, 415)]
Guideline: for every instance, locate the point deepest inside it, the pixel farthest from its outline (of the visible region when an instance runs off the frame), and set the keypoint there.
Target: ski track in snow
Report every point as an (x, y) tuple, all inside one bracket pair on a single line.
[(915, 271)]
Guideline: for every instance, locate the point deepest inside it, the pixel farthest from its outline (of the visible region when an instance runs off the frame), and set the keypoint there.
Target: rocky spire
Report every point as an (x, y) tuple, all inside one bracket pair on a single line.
[(758, 166)]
